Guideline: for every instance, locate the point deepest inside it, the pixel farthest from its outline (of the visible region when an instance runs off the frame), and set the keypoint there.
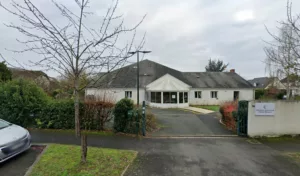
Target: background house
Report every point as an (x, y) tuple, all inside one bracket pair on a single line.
[(266, 83), (39, 77), (164, 87), (294, 84)]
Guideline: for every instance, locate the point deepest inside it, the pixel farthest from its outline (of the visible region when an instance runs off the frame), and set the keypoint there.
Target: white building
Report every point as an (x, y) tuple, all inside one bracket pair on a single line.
[(164, 87)]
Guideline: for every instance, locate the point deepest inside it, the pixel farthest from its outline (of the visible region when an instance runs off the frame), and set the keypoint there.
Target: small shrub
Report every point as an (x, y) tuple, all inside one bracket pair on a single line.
[(121, 117), (151, 122), (280, 96), (235, 115), (97, 112), (228, 111)]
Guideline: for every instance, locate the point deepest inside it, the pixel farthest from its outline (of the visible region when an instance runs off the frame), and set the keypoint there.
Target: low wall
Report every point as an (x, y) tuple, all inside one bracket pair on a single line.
[(159, 105), (285, 121)]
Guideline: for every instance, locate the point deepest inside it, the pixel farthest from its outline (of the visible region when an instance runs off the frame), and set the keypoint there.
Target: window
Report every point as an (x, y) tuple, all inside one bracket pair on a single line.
[(186, 97), (170, 97), (197, 94), (183, 97), (156, 97), (214, 94), (128, 94), (180, 97), (236, 95)]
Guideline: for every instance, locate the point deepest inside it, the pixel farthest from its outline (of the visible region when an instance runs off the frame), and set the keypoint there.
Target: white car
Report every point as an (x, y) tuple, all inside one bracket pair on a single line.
[(13, 140)]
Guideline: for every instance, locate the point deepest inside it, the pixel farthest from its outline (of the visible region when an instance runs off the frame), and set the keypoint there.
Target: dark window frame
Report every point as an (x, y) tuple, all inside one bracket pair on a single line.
[(198, 94), (214, 94), (129, 92), (157, 97)]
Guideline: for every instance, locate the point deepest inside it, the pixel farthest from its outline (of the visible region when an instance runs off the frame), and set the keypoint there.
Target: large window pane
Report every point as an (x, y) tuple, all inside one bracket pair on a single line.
[(167, 97), (185, 97), (153, 97), (180, 97), (174, 97), (158, 97), (170, 97)]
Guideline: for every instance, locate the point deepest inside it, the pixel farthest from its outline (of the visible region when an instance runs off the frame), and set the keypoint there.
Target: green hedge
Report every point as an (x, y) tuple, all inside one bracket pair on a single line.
[(21, 101), (56, 115)]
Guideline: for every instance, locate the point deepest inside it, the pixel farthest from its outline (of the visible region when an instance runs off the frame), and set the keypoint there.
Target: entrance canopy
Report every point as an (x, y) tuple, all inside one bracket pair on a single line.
[(167, 83)]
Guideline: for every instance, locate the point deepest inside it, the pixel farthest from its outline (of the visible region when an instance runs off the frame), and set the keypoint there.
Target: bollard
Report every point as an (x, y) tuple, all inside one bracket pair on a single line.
[(144, 119)]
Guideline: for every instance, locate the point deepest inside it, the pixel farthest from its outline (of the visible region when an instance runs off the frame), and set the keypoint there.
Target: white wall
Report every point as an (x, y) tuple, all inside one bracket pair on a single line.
[(117, 93), (223, 96), (285, 121)]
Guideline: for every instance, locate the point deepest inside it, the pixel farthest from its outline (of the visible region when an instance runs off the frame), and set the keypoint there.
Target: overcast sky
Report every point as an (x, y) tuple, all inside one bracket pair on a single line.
[(185, 34)]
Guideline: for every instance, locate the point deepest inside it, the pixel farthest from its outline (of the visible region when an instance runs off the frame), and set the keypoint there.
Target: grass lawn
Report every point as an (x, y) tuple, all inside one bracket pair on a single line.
[(284, 138), (209, 107), (64, 160), (294, 156)]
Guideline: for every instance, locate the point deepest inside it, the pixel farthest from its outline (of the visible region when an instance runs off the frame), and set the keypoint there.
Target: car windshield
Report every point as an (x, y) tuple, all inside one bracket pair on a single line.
[(3, 124)]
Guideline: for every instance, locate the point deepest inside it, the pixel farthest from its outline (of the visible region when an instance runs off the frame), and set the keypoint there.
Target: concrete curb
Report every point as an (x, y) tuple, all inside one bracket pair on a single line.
[(221, 122), (124, 171), (191, 136), (28, 172)]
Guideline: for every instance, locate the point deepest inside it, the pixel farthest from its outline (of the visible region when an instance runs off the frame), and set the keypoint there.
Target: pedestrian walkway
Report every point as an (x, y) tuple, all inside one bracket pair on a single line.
[(199, 110)]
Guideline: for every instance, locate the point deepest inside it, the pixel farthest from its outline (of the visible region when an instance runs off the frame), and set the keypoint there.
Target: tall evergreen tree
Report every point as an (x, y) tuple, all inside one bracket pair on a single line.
[(216, 66)]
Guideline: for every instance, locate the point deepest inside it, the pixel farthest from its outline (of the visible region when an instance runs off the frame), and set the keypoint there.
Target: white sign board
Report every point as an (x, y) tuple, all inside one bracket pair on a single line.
[(265, 109)]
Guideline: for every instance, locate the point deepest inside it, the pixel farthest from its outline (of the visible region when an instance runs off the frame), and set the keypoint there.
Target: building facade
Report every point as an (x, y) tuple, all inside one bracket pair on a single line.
[(163, 87)]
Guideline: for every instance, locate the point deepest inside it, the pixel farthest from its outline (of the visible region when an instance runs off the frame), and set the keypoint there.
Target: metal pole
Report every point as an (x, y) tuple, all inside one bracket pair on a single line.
[(138, 79), (144, 119)]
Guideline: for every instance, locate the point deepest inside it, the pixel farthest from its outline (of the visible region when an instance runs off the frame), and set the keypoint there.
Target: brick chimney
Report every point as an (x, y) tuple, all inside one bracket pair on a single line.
[(232, 71)]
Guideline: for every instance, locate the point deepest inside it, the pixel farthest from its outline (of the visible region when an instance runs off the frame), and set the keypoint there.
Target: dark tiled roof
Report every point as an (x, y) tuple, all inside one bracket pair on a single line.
[(150, 71), (27, 74), (261, 82)]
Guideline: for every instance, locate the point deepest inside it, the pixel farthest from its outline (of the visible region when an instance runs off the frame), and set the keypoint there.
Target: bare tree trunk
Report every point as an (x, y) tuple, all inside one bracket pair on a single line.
[(288, 87), (83, 148), (76, 106)]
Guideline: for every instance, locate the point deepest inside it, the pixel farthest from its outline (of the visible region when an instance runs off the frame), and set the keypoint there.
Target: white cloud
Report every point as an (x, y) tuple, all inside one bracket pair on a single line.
[(185, 34), (244, 15)]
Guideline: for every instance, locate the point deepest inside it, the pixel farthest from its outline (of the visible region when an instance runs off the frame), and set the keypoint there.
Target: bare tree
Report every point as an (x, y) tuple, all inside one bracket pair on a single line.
[(283, 53), (72, 47)]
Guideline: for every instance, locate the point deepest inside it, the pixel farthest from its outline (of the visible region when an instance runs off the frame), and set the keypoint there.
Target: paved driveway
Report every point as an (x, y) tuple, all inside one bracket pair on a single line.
[(176, 122)]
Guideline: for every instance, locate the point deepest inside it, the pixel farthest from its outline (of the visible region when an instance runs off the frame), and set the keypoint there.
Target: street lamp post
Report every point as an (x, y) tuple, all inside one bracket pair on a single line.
[(138, 73)]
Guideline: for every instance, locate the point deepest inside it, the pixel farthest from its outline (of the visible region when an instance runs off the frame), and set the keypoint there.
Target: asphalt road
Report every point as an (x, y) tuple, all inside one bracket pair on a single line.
[(177, 122), (18, 165), (212, 156)]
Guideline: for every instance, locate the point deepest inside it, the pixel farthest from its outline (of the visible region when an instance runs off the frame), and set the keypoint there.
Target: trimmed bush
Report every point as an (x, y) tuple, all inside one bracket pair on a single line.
[(97, 113), (121, 117), (21, 101)]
